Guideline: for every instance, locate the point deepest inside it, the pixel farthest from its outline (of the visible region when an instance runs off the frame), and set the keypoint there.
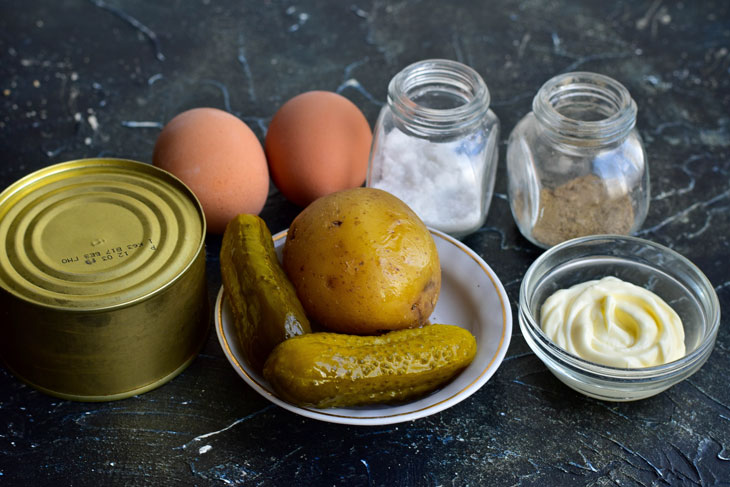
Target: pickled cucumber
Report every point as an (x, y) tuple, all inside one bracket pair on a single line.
[(265, 306), (337, 370)]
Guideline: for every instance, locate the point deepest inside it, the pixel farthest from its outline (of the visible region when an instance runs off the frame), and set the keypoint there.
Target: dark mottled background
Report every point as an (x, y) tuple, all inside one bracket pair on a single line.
[(100, 78)]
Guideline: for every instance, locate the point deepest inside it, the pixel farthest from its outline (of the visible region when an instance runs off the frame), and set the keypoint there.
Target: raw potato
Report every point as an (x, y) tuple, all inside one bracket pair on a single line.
[(362, 262)]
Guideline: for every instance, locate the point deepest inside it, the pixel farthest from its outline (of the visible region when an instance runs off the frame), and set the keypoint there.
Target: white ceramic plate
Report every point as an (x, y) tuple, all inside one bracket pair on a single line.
[(471, 296)]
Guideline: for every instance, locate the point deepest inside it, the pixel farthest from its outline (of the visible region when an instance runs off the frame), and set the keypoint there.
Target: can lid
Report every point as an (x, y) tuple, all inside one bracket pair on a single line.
[(95, 234)]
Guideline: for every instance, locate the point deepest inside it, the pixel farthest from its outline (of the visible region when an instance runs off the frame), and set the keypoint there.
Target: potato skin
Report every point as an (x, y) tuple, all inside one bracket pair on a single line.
[(362, 262)]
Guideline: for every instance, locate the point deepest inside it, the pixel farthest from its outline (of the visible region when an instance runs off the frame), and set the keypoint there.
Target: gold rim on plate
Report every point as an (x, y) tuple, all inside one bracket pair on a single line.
[(324, 414)]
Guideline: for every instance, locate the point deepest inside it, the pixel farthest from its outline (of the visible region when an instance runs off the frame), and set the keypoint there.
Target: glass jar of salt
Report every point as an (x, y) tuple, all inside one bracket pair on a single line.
[(435, 145), (576, 164)]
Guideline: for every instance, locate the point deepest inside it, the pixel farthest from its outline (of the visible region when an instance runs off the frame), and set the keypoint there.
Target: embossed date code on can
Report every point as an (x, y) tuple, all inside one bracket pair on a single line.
[(110, 253)]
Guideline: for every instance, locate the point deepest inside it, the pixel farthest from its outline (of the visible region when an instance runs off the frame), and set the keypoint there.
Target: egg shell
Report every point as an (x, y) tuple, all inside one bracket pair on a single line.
[(220, 159), (317, 143)]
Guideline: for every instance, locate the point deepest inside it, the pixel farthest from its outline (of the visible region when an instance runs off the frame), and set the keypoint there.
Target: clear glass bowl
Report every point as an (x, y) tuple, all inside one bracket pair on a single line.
[(655, 267)]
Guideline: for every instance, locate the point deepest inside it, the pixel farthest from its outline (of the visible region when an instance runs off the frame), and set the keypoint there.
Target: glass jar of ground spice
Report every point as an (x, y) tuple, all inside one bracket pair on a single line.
[(435, 145), (576, 164)]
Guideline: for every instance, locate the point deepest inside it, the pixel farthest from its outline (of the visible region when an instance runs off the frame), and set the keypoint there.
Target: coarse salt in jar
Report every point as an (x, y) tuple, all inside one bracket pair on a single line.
[(435, 145), (576, 165)]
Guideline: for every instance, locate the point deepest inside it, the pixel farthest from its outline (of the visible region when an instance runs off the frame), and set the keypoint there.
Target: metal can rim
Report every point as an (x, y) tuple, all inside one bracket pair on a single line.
[(26, 180)]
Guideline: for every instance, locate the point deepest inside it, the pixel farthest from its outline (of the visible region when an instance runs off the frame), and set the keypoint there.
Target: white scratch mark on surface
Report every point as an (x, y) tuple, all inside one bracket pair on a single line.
[(55, 152), (523, 45), (455, 41), (723, 454), (690, 184), (224, 92), (141, 125), (93, 122), (644, 21), (653, 17), (657, 471), (359, 12), (367, 469), (678, 216), (355, 84), (154, 79), (354, 65), (579, 60), (134, 23), (515, 357), (596, 57), (556, 42), (709, 396), (349, 81), (302, 18), (246, 68), (217, 432), (504, 244), (723, 286)]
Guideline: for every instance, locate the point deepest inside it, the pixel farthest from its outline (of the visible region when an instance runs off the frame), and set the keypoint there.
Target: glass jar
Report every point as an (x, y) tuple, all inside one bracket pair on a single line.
[(435, 145), (576, 164)]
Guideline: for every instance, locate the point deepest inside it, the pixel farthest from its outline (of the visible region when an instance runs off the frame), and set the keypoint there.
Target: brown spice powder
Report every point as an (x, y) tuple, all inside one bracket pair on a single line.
[(581, 207)]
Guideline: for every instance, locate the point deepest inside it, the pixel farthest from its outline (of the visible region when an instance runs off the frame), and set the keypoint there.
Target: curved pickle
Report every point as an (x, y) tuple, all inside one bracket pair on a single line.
[(264, 303), (337, 370)]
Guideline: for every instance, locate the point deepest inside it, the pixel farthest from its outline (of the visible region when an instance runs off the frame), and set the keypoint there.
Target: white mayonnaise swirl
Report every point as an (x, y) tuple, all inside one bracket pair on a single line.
[(615, 323)]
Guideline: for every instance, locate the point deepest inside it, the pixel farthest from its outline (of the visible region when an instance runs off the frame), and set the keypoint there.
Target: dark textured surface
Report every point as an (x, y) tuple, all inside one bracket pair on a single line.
[(90, 78)]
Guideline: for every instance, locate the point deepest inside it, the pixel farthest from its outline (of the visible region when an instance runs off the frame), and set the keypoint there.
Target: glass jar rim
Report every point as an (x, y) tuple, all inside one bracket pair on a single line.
[(438, 75), (570, 89)]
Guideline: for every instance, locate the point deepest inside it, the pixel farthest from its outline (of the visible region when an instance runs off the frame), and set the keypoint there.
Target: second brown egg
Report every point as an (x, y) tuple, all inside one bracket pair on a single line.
[(317, 143)]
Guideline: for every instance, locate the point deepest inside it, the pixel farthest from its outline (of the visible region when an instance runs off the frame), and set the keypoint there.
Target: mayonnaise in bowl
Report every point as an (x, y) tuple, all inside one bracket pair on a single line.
[(615, 323)]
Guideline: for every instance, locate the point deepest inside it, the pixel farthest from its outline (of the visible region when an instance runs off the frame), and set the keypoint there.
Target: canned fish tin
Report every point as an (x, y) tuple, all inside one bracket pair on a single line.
[(102, 278)]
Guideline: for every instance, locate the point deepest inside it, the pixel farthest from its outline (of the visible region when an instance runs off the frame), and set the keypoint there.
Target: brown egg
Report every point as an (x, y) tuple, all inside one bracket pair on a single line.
[(221, 161), (317, 143)]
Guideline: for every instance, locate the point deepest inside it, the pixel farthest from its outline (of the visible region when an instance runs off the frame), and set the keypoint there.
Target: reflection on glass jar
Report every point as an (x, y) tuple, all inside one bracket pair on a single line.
[(576, 164), (435, 145)]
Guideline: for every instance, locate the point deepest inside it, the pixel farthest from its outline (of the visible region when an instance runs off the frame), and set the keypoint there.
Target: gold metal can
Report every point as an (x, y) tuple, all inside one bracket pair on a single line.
[(102, 278)]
